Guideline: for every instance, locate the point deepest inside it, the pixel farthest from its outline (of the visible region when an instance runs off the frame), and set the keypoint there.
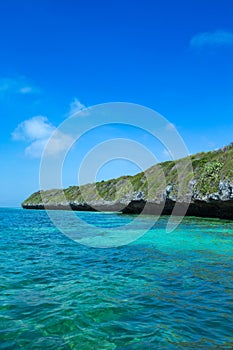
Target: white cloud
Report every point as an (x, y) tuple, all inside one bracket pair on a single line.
[(76, 106), (58, 143), (166, 155), (37, 131), (218, 38), (26, 90), (33, 129), (35, 149), (170, 127), (19, 85)]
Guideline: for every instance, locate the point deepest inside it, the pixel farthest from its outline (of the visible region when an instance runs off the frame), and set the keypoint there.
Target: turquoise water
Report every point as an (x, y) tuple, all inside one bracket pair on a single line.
[(163, 291)]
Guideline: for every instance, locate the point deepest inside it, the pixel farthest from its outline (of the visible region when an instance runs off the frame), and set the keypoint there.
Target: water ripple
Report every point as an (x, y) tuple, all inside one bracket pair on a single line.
[(164, 291)]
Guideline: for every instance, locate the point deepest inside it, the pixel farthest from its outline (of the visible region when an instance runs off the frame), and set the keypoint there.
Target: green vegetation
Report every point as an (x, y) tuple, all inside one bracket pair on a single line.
[(207, 170), (209, 177)]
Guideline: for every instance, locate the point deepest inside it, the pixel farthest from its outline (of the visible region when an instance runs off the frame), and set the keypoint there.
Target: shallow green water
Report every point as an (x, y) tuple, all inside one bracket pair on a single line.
[(163, 291)]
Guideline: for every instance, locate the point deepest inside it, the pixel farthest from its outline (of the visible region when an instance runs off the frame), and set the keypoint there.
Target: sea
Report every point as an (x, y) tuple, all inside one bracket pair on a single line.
[(161, 290)]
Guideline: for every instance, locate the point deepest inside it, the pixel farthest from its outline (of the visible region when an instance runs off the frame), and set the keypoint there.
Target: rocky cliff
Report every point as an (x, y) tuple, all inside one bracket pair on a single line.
[(201, 185)]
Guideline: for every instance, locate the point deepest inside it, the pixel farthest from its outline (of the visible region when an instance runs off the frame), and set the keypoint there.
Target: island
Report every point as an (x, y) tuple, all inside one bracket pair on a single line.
[(204, 188)]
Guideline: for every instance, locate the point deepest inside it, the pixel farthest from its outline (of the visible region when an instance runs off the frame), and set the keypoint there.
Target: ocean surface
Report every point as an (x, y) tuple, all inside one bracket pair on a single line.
[(162, 291)]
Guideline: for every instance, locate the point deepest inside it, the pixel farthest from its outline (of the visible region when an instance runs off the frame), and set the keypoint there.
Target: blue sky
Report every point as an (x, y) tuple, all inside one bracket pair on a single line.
[(57, 56)]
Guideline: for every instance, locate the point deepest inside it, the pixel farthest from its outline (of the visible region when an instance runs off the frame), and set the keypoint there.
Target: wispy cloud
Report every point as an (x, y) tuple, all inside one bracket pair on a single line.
[(170, 127), (19, 85), (218, 38), (37, 131), (26, 90), (166, 154), (76, 106)]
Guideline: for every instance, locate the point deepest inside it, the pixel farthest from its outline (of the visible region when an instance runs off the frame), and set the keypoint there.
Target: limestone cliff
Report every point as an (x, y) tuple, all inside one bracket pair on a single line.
[(203, 183)]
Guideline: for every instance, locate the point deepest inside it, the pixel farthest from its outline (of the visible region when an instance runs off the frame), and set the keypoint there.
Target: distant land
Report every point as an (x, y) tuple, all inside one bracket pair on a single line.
[(204, 181)]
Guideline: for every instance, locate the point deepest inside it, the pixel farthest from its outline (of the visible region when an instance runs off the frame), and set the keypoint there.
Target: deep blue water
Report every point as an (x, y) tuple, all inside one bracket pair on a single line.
[(163, 291)]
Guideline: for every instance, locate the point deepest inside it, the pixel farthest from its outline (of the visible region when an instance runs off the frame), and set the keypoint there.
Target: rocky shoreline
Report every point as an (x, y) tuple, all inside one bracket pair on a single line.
[(215, 205), (199, 185)]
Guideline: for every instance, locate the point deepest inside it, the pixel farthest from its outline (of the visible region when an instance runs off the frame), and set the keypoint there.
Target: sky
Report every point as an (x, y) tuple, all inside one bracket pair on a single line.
[(58, 57)]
